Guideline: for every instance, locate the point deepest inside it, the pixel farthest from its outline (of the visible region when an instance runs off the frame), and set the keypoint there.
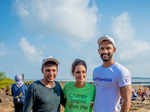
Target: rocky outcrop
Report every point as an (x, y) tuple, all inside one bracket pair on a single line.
[(6, 100)]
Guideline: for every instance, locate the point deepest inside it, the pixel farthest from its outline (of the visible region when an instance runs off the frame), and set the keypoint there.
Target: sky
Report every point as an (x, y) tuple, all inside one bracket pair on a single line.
[(31, 30)]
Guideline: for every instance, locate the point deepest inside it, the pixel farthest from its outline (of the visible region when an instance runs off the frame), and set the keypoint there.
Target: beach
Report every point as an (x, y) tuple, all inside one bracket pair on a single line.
[(139, 106), (6, 102)]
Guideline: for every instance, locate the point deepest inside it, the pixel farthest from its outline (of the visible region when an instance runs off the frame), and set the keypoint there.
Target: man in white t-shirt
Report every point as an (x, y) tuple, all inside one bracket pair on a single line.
[(113, 81)]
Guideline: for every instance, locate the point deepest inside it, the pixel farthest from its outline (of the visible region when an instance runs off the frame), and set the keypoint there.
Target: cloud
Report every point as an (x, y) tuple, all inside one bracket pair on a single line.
[(3, 51), (32, 53), (68, 18), (124, 33)]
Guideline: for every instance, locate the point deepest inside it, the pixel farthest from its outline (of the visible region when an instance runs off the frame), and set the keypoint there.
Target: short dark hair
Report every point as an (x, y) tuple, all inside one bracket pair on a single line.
[(78, 62), (49, 63)]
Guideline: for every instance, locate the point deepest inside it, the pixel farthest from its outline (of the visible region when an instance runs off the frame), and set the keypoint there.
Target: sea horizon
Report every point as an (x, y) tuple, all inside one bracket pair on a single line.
[(135, 80)]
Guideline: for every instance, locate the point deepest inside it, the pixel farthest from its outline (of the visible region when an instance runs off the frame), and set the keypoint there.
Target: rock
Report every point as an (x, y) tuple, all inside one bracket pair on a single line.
[(8, 91), (1, 91), (0, 100)]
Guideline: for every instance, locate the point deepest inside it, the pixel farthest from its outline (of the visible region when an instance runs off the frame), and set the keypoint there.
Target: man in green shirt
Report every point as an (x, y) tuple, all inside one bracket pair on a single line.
[(45, 95)]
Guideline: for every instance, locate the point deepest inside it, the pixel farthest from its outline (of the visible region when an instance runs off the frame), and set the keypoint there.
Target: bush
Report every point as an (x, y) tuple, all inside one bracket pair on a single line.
[(6, 82), (2, 75)]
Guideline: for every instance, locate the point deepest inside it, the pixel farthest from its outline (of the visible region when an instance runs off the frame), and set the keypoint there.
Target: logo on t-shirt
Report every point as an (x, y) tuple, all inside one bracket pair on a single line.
[(104, 79), (127, 79)]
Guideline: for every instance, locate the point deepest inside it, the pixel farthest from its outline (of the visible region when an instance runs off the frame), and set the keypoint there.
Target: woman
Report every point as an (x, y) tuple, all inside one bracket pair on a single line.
[(79, 94)]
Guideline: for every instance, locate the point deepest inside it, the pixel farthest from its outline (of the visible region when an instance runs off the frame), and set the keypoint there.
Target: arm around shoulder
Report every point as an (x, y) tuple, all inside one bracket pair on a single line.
[(62, 98)]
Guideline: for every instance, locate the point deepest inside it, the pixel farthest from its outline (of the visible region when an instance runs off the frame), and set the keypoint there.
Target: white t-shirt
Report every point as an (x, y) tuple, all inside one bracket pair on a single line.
[(108, 82)]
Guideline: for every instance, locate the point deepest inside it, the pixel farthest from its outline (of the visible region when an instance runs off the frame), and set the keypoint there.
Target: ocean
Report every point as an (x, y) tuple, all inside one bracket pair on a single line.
[(140, 81)]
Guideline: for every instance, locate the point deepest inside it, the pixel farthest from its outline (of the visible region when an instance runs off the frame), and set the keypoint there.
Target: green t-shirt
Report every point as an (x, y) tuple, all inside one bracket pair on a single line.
[(79, 99)]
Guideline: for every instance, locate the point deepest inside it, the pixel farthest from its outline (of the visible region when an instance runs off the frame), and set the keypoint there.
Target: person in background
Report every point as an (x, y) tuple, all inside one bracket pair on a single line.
[(145, 91), (113, 80), (19, 90), (45, 95), (79, 94), (134, 95), (140, 91)]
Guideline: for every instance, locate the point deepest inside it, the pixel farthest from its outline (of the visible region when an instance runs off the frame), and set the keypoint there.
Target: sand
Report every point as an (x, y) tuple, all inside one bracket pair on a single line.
[(137, 106)]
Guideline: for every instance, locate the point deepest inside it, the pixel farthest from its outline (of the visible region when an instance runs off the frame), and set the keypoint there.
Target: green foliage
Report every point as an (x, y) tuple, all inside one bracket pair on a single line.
[(6, 82), (28, 82), (2, 75)]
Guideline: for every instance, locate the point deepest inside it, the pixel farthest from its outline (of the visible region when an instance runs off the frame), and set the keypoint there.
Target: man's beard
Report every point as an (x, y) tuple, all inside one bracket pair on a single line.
[(109, 57)]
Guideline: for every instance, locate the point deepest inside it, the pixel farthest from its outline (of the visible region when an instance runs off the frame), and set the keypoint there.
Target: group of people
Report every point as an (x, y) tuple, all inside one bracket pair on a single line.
[(141, 92), (112, 81)]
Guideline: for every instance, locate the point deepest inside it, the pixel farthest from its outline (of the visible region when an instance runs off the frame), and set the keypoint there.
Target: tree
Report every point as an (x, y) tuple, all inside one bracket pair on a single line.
[(2, 75)]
